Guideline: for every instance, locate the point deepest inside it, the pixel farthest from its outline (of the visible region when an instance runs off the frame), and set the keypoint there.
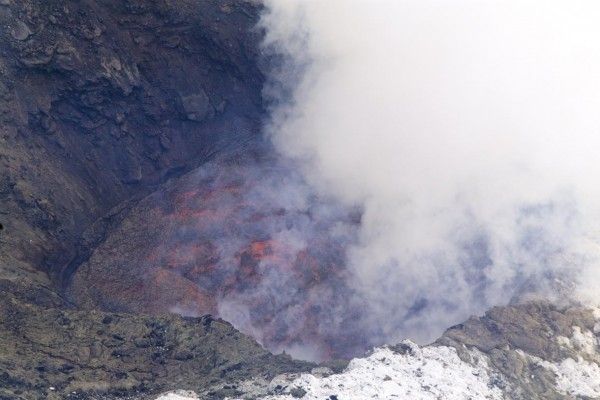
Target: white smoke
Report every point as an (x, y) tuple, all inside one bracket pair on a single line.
[(469, 132)]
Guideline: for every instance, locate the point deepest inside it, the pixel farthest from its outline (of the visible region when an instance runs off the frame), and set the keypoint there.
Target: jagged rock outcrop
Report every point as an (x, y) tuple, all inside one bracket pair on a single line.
[(524, 341), (59, 354), (528, 351)]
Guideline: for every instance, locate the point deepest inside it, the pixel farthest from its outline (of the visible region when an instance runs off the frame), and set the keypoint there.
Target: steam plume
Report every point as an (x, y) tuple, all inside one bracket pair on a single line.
[(467, 131)]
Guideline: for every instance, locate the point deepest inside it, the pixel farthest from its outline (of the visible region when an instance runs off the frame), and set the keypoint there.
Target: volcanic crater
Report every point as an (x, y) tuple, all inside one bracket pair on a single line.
[(137, 195)]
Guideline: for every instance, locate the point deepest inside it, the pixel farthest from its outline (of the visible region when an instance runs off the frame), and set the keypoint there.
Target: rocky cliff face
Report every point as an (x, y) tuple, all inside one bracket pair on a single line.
[(100, 102), (58, 354), (537, 350)]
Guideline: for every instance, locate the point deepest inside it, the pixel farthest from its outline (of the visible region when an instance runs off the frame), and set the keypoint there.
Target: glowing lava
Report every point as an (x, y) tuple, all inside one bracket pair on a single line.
[(249, 243)]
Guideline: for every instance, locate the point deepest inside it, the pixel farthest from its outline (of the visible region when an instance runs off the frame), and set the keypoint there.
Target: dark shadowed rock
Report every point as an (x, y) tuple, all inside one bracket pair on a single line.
[(197, 106), (19, 30)]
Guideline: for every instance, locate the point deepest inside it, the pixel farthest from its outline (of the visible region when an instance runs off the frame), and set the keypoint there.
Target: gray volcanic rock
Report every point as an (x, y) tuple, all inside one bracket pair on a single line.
[(197, 106), (517, 337), (58, 354)]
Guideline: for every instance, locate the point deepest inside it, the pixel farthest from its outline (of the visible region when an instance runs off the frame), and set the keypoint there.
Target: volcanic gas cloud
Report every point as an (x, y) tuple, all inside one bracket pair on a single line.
[(435, 159)]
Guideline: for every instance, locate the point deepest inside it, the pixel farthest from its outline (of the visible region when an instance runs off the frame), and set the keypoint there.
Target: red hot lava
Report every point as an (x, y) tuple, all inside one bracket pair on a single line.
[(270, 255), (250, 244)]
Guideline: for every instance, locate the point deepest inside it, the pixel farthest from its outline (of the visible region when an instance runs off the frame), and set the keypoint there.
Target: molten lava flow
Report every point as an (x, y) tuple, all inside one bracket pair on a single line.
[(247, 241), (263, 254)]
